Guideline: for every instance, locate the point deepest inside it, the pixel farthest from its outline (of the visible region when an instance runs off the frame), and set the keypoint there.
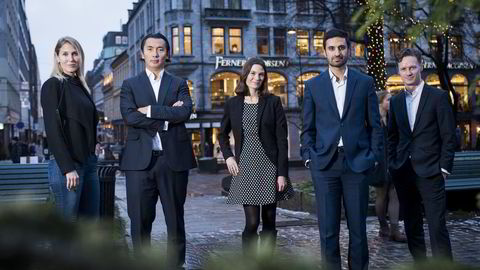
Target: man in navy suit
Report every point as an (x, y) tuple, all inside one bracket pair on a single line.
[(341, 140), (421, 147), (158, 153)]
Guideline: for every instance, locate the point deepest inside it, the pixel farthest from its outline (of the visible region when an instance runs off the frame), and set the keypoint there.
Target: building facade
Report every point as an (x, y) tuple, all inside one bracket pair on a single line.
[(101, 81), (19, 79), (211, 39)]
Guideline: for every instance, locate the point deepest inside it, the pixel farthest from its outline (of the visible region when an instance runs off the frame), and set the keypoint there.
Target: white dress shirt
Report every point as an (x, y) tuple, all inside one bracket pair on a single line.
[(339, 89), (155, 82), (412, 100)]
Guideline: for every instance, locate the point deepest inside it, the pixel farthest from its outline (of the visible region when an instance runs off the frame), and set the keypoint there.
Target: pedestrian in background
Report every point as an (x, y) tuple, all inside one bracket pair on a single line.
[(260, 164), (386, 195), (15, 150), (71, 134)]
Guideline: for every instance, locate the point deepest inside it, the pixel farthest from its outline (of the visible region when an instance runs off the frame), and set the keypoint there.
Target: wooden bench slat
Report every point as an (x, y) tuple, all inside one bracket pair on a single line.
[(24, 176), (25, 186)]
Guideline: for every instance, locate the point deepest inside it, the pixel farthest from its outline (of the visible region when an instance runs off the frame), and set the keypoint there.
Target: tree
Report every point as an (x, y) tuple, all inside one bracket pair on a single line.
[(339, 14), (437, 28)]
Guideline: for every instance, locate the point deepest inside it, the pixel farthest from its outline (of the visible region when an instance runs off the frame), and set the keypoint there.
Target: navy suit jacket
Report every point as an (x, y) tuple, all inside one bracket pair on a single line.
[(359, 126), (431, 144), (138, 92)]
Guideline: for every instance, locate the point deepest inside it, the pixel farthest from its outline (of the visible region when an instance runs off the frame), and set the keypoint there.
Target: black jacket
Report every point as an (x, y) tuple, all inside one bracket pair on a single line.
[(81, 118), (431, 144), (272, 129), (137, 92)]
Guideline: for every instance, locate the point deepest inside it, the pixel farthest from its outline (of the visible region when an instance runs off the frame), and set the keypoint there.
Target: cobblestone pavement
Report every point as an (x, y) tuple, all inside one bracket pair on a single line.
[(214, 228)]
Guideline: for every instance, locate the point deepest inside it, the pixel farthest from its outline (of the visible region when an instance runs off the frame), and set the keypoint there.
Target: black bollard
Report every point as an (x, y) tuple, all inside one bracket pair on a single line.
[(106, 175)]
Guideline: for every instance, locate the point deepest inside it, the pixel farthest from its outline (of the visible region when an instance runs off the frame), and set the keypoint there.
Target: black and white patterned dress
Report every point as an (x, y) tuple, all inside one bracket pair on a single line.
[(255, 184)]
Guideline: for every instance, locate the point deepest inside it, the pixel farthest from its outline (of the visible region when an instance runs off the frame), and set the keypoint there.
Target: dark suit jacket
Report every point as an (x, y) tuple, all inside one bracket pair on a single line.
[(359, 126), (80, 128), (272, 128), (137, 92), (431, 145)]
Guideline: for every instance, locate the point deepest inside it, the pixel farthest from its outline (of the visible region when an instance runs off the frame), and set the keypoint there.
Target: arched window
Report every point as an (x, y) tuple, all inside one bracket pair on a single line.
[(223, 85), (301, 84), (433, 80), (277, 85), (460, 83), (395, 84)]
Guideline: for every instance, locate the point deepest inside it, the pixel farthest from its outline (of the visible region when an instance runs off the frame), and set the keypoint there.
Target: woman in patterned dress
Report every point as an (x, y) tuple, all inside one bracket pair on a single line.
[(260, 164)]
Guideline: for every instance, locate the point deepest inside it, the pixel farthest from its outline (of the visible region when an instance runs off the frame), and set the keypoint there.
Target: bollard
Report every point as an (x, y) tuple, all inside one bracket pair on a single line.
[(106, 175)]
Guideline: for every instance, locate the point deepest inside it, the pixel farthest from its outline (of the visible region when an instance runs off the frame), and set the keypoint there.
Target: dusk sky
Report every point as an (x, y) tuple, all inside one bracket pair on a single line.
[(87, 21)]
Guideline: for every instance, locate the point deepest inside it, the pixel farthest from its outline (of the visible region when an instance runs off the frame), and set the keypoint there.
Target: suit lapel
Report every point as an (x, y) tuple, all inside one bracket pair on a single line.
[(403, 112), (421, 105), (351, 82), (145, 84), (164, 87), (260, 109), (329, 92)]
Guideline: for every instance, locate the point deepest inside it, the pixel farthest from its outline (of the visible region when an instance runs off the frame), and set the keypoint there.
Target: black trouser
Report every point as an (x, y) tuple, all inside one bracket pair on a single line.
[(412, 190), (335, 183), (143, 189)]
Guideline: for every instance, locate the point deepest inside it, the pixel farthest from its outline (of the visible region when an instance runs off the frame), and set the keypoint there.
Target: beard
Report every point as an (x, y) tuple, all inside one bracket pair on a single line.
[(342, 62)]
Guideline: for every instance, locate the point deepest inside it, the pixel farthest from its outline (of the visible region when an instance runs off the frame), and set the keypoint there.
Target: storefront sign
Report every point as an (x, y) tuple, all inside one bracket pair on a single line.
[(236, 62), (456, 65)]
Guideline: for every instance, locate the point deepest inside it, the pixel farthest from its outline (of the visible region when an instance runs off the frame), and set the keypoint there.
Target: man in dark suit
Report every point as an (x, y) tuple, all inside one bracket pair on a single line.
[(421, 147), (158, 153), (341, 140)]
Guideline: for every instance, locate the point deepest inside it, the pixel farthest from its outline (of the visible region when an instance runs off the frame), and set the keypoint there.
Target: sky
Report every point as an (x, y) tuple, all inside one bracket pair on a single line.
[(85, 20)]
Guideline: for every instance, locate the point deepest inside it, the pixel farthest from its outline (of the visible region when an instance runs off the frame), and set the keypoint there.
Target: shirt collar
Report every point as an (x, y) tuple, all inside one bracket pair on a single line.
[(334, 78), (151, 75), (417, 90)]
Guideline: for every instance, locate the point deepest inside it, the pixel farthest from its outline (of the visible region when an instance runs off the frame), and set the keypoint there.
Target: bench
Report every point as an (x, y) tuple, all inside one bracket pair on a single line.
[(24, 183), (466, 172)]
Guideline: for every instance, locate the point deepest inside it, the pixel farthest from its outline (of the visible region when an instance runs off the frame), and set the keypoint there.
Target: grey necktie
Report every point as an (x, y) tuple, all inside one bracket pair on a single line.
[(411, 117)]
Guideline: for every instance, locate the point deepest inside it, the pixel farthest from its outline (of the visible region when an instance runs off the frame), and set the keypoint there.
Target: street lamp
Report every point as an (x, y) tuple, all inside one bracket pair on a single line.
[(293, 31)]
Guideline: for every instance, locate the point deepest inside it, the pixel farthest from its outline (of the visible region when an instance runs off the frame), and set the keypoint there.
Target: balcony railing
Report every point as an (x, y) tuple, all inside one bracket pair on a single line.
[(220, 14)]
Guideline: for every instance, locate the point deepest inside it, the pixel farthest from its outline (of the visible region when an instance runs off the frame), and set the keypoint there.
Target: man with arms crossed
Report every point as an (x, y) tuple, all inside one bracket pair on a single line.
[(341, 140), (421, 147), (158, 154)]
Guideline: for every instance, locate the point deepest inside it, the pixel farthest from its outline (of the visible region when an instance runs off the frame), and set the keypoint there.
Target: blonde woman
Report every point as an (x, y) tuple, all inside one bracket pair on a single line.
[(386, 200), (70, 120)]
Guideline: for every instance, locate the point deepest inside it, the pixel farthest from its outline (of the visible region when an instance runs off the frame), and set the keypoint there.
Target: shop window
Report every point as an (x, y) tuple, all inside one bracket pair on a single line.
[(396, 44), (218, 41), (460, 84), (187, 40), (318, 43), (262, 40), (279, 40), (456, 45), (223, 86), (302, 42), (358, 49), (395, 84), (277, 85), (301, 84), (175, 41), (235, 40)]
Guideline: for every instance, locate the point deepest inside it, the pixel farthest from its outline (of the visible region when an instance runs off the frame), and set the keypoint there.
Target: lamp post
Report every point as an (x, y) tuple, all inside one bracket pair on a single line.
[(292, 32)]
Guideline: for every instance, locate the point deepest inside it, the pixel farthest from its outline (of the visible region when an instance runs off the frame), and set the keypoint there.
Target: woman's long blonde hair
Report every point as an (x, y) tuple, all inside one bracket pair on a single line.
[(57, 71)]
